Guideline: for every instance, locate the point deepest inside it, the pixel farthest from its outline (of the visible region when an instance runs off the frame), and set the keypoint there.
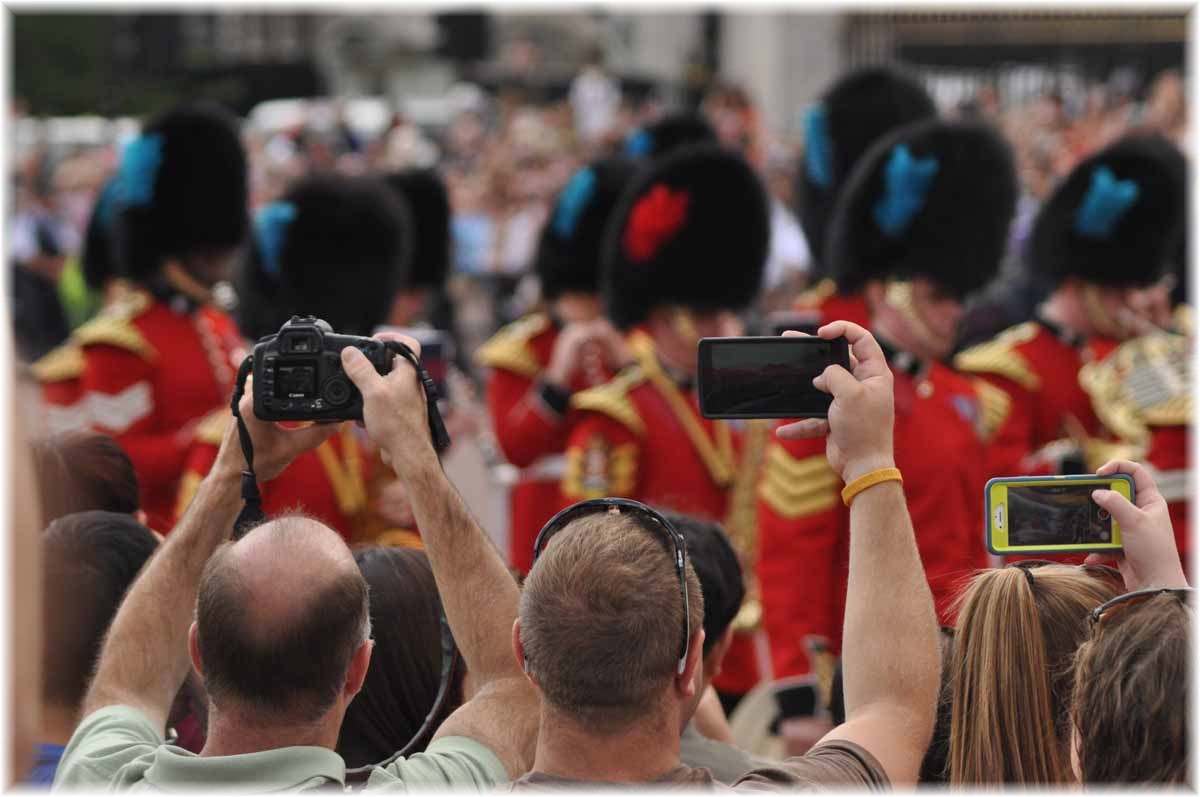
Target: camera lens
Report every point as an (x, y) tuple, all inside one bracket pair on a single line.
[(336, 391)]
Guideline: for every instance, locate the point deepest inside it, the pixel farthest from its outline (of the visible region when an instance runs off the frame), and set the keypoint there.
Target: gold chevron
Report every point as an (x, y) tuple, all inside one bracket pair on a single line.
[(345, 474), (995, 405), (717, 456), (612, 399), (60, 364), (509, 348), (1000, 356), (795, 488)]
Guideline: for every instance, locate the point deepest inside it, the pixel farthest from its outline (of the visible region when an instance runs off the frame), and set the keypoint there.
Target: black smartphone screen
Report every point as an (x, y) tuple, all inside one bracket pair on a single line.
[(1059, 514), (766, 377)]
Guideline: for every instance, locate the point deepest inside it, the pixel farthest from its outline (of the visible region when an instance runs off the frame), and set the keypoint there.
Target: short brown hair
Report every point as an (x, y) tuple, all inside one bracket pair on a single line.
[(601, 619), (294, 670), (83, 471), (1131, 696), (1012, 674)]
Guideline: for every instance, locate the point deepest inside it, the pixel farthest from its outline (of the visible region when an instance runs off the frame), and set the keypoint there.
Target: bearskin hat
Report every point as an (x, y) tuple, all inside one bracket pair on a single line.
[(569, 252), (429, 204), (335, 247), (692, 230), (1117, 217), (855, 112), (934, 199), (96, 259), (668, 134), (180, 189)]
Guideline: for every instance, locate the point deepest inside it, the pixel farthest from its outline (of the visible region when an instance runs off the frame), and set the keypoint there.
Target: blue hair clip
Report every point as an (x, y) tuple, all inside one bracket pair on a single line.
[(139, 170), (270, 232), (906, 182), (1106, 202), (572, 201), (639, 144), (818, 159)]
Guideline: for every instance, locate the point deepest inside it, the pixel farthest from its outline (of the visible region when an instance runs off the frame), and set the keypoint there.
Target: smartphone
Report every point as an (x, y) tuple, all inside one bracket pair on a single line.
[(437, 352), (1052, 514), (766, 377)]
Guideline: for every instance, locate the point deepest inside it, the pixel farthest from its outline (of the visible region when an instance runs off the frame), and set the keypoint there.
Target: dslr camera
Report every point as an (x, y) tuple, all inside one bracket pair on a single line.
[(298, 372)]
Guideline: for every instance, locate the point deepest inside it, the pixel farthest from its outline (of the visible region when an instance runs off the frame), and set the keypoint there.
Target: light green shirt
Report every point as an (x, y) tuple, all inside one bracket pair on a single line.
[(117, 749)]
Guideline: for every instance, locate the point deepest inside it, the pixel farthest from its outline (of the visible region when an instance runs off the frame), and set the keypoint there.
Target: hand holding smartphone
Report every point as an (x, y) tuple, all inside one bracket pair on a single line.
[(1052, 514), (766, 377)]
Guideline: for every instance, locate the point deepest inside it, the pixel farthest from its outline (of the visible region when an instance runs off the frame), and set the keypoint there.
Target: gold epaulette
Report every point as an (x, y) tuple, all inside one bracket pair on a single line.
[(1183, 319), (114, 327), (816, 295), (994, 404), (794, 488), (60, 364), (1000, 356), (211, 429), (509, 348), (612, 399), (1175, 411), (1144, 382)]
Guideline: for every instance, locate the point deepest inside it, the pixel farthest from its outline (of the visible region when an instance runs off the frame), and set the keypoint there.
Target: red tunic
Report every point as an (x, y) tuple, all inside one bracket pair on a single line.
[(531, 434), (149, 372)]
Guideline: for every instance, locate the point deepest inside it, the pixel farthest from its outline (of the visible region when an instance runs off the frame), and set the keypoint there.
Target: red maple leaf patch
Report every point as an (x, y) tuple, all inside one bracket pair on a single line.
[(654, 220)]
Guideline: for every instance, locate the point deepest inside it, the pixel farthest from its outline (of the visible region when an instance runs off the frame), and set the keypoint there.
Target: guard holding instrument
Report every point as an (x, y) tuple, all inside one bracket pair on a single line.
[(904, 229)]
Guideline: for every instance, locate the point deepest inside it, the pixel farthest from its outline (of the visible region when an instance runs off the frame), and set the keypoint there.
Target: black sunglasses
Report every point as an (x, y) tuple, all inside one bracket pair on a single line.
[(1108, 609), (649, 518)]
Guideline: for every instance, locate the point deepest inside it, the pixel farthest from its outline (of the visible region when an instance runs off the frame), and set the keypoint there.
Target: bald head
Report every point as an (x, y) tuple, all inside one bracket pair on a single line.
[(279, 617)]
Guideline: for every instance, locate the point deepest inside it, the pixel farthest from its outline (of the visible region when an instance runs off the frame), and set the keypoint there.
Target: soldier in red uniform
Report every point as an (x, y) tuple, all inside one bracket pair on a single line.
[(1107, 234), (902, 230), (160, 356), (854, 112), (538, 362), (687, 247), (337, 248)]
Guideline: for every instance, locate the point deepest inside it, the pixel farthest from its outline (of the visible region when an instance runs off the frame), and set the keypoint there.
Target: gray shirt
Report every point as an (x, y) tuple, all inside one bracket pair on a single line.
[(726, 762)]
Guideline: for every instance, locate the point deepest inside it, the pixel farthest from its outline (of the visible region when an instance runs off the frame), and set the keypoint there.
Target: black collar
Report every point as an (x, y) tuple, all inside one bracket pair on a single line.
[(901, 360), (1069, 337)]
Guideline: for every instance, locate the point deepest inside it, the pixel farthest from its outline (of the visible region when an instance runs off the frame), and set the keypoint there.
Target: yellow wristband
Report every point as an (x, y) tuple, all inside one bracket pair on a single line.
[(870, 480)]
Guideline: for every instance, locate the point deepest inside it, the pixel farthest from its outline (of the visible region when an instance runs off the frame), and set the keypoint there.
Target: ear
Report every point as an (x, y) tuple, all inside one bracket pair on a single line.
[(685, 682), (519, 651), (194, 649), (357, 674), (712, 662)]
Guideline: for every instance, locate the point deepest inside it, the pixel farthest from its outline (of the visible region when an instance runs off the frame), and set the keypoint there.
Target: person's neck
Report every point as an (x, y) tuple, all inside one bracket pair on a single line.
[(229, 733), (895, 338), (1062, 310), (58, 723), (678, 361), (638, 753)]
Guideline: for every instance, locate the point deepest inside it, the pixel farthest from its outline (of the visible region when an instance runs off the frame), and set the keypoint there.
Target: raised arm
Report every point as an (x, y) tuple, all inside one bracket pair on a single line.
[(890, 658), (145, 656), (478, 592)]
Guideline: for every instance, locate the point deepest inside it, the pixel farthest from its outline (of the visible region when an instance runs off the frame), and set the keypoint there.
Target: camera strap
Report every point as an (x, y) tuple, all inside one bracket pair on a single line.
[(252, 512)]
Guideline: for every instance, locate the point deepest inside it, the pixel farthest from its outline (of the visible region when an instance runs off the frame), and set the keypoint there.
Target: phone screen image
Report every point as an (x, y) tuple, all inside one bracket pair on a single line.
[(1052, 514), (766, 377)]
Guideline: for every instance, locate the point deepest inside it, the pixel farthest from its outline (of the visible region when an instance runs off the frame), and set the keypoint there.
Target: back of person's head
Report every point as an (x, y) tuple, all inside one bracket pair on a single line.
[(406, 665), (716, 565), (1131, 696), (89, 560), (82, 471), (279, 617), (1015, 640), (602, 621)]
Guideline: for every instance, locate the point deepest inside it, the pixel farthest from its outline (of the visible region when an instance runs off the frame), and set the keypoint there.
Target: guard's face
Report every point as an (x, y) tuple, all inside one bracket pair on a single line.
[(211, 267)]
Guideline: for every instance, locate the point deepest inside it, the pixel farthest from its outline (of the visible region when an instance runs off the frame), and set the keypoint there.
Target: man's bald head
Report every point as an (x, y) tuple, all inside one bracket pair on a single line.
[(279, 617)]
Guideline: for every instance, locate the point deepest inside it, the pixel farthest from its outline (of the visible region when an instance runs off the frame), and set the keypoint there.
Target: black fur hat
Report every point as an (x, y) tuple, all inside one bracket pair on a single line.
[(181, 189), (335, 247), (96, 260), (1117, 217), (425, 192), (934, 199), (668, 134), (690, 230), (853, 113), (569, 252)]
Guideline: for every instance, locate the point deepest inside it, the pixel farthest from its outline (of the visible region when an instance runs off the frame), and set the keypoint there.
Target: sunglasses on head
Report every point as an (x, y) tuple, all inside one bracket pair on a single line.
[(649, 519), (1109, 609)]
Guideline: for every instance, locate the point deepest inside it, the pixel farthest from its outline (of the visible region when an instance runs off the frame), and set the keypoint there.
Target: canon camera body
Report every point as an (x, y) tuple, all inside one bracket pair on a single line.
[(298, 373)]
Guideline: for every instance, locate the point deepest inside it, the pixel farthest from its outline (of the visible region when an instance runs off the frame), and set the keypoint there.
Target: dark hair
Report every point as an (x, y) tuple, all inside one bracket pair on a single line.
[(89, 560), (82, 471), (295, 669), (1130, 707), (406, 666), (718, 569)]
